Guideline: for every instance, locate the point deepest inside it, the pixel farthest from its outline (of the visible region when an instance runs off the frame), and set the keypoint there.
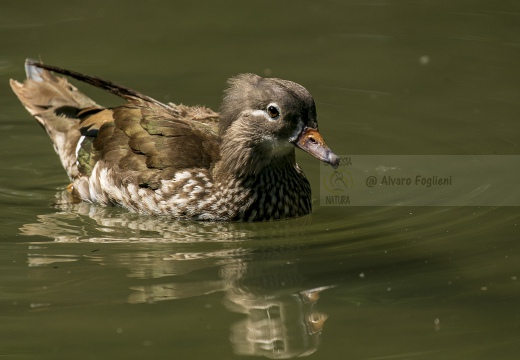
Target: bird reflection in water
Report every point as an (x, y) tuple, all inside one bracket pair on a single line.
[(263, 282), (281, 327)]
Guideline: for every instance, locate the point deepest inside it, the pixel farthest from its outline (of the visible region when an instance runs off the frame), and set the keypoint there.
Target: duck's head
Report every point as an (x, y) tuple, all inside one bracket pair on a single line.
[(270, 117)]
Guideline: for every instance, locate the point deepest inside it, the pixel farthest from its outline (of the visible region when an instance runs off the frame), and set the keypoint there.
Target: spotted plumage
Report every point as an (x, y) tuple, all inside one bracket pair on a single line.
[(183, 162)]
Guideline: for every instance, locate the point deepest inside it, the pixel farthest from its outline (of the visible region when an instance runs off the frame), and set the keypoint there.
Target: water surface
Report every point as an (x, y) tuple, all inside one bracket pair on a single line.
[(387, 282)]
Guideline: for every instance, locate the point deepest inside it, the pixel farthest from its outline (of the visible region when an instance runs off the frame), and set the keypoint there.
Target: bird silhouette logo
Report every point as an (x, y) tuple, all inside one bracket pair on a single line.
[(338, 181)]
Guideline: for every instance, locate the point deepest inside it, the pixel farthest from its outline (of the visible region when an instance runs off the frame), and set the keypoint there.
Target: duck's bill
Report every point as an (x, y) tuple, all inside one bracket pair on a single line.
[(311, 141)]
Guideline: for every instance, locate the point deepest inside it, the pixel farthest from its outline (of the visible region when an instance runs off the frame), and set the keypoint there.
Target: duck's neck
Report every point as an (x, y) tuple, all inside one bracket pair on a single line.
[(254, 189)]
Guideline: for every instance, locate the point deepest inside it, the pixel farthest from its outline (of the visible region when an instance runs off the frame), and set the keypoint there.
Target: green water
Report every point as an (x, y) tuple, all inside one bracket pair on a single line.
[(390, 78)]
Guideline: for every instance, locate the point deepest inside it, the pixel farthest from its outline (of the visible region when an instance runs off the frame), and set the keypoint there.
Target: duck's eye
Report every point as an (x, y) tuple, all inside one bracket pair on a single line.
[(273, 111)]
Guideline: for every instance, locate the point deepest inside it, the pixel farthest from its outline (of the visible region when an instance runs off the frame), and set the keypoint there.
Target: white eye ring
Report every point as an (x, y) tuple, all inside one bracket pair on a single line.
[(273, 111)]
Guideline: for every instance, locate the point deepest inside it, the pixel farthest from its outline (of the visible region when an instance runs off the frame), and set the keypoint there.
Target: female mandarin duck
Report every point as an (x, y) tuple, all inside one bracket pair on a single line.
[(180, 161)]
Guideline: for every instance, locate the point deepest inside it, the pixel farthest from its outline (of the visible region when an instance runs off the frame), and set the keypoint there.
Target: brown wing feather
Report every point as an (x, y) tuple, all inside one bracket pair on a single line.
[(145, 139), (93, 119), (55, 104), (119, 90), (150, 144)]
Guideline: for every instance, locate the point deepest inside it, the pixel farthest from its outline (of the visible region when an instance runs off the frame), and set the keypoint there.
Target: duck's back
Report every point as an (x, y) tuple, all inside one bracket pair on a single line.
[(152, 142), (136, 146)]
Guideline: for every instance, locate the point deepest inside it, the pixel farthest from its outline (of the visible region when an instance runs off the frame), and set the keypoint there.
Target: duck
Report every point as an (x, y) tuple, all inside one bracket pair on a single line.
[(178, 161)]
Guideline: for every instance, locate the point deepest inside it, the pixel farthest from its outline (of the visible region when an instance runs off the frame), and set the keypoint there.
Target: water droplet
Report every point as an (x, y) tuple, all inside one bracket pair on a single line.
[(424, 60), (436, 324)]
